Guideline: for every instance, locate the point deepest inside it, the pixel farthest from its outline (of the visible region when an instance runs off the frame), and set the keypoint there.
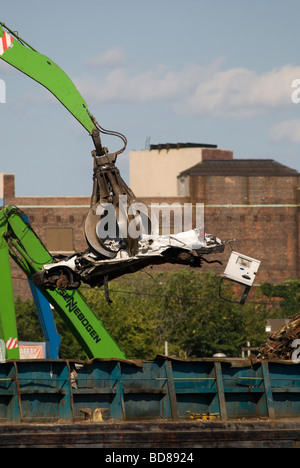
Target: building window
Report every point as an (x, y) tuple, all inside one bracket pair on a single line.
[(182, 185), (60, 240)]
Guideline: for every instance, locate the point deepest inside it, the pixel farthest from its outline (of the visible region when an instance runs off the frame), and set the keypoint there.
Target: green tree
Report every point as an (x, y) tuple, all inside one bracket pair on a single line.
[(288, 291), (182, 307), (197, 323), (28, 324), (130, 319)]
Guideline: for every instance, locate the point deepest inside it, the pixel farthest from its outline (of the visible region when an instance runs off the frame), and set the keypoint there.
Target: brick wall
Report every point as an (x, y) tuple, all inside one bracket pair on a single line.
[(244, 190), (267, 233), (261, 213), (211, 153), (270, 234)]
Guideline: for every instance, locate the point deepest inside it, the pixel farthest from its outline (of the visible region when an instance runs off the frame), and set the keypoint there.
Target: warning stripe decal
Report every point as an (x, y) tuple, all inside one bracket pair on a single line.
[(12, 343), (5, 42)]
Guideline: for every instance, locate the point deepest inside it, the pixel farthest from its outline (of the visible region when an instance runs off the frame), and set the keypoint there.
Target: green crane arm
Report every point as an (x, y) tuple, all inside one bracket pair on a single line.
[(15, 51), (19, 241)]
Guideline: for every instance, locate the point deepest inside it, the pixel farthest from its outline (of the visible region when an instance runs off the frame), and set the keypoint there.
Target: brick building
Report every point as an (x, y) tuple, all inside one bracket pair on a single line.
[(256, 202), (153, 172)]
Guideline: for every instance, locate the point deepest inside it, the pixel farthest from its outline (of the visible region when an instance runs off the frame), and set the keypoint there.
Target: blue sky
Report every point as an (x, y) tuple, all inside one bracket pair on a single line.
[(218, 72)]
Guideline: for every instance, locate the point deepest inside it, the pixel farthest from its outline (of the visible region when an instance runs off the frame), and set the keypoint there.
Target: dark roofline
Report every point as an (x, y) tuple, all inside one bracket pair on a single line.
[(161, 146), (240, 167)]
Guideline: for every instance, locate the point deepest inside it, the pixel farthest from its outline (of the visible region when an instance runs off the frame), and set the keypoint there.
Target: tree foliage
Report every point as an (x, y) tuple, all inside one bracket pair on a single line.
[(288, 292), (181, 307), (29, 328)]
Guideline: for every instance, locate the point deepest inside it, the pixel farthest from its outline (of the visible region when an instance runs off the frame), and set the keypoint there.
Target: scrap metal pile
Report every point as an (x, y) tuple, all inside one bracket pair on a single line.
[(279, 345)]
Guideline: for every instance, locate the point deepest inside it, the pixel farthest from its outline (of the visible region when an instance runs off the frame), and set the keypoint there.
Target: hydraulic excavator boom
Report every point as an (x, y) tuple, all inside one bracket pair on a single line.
[(18, 53), (107, 182), (132, 244), (20, 242)]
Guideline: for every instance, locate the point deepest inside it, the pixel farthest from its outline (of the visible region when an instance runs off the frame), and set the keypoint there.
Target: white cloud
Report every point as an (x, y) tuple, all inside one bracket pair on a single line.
[(240, 92), (287, 131), (155, 84), (197, 90), (111, 58)]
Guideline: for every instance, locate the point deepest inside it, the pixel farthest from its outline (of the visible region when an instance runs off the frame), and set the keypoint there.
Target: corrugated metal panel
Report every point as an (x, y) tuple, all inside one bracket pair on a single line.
[(162, 389)]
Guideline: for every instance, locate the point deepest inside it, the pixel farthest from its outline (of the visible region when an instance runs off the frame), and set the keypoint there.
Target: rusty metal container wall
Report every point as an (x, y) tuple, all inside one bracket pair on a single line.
[(162, 389)]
